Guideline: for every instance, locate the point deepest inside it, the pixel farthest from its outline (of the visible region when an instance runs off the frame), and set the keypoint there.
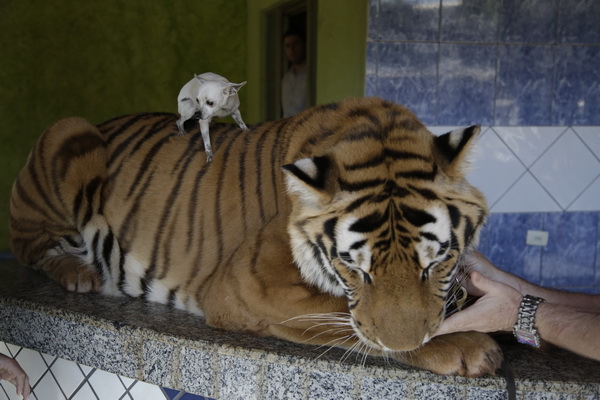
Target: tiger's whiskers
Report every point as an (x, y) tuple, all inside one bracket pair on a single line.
[(339, 323), (457, 298)]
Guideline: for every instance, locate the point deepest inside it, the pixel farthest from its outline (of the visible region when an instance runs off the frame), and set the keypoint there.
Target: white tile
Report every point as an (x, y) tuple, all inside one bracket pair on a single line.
[(32, 363), (47, 388), (591, 136), (127, 382), (566, 169), (48, 358), (85, 393), (494, 168), (4, 349), (526, 196), (12, 349), (10, 390), (106, 385), (589, 199), (68, 375), (86, 370), (146, 391), (528, 142)]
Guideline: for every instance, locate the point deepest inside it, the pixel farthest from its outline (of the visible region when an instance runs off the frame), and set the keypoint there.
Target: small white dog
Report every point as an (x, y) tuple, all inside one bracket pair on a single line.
[(206, 96)]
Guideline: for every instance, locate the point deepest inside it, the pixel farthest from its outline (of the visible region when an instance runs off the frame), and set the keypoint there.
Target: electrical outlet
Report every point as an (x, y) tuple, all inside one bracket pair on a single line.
[(537, 238)]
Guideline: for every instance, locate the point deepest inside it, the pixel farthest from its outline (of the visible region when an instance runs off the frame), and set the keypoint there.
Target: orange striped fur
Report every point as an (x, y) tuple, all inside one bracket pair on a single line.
[(343, 225)]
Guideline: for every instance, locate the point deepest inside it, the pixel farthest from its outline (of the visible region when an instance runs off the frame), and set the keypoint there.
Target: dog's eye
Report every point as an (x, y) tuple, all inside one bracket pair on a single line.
[(197, 101), (210, 103)]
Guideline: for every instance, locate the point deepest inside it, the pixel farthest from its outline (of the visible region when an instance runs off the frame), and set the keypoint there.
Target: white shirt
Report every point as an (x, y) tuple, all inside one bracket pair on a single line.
[(294, 88)]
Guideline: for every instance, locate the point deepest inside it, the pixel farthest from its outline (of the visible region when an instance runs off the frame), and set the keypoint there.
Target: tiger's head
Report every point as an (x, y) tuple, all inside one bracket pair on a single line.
[(382, 219)]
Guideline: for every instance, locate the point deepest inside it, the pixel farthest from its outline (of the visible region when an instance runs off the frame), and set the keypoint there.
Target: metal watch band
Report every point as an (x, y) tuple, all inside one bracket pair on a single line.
[(525, 330)]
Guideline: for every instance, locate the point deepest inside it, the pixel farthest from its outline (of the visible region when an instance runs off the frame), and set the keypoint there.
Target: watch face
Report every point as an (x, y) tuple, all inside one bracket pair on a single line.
[(526, 337)]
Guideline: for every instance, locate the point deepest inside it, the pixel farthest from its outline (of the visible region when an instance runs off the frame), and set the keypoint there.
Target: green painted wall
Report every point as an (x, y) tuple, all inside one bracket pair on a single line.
[(103, 58), (341, 49)]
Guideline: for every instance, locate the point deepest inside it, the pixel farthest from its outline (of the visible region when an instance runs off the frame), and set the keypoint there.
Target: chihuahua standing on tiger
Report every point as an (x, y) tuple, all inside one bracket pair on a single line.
[(206, 96)]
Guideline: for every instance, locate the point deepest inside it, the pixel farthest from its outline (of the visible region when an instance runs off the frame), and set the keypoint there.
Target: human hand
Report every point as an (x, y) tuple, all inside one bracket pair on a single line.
[(496, 310), (11, 371), (475, 261)]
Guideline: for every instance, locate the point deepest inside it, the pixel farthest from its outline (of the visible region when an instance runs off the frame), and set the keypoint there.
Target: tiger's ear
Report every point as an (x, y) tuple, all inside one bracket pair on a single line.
[(453, 148), (311, 179)]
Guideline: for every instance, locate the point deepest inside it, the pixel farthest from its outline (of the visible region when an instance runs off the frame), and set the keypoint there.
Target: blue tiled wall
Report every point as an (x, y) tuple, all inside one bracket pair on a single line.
[(570, 261), (492, 62), (507, 63)]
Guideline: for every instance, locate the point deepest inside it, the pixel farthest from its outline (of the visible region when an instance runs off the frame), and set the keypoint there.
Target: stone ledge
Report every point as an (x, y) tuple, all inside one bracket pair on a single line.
[(171, 348)]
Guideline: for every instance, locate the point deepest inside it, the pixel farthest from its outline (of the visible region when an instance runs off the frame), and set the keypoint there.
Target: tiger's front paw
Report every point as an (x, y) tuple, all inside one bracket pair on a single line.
[(469, 354)]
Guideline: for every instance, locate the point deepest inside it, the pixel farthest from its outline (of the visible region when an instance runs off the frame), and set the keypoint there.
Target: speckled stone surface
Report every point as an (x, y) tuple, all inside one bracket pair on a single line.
[(171, 348)]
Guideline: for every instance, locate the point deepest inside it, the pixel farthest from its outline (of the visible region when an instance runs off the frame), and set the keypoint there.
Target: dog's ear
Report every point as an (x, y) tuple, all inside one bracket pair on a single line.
[(232, 88), (201, 80)]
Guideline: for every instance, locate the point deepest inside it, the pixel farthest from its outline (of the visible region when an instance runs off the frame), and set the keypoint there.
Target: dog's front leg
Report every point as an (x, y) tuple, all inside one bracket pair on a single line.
[(206, 139), (237, 117), (180, 128)]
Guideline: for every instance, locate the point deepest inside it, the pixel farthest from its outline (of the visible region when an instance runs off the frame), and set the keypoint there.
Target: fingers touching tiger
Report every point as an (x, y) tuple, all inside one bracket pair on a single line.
[(342, 225)]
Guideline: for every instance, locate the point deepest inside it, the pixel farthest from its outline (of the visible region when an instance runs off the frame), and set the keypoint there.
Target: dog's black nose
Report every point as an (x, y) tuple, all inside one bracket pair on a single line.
[(198, 115)]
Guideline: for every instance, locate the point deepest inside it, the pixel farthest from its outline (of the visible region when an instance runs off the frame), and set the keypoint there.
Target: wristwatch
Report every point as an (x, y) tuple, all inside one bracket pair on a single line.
[(525, 330)]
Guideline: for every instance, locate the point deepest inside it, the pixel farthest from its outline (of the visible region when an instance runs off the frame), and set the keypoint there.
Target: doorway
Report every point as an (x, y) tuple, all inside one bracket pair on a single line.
[(296, 15)]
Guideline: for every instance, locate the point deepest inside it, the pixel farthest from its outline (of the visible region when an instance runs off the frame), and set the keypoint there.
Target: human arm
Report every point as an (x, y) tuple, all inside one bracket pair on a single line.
[(11, 371), (577, 330), (575, 327), (475, 261)]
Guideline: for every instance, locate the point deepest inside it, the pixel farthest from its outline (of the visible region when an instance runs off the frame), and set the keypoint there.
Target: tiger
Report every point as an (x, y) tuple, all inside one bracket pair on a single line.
[(341, 226)]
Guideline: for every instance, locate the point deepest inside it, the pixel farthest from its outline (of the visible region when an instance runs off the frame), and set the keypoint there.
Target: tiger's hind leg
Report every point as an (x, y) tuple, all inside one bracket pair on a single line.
[(58, 253), (85, 263), (56, 209)]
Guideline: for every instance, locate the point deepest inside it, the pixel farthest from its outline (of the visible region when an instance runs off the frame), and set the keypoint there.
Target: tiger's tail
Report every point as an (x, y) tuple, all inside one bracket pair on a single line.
[(56, 219)]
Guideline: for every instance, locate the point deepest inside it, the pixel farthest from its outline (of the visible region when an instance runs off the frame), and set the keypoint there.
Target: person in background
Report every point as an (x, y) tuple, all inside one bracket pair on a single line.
[(509, 303), (294, 85), (11, 371)]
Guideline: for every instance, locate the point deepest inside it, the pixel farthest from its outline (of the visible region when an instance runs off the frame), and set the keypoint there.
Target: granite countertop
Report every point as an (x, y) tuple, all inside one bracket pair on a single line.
[(172, 348)]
